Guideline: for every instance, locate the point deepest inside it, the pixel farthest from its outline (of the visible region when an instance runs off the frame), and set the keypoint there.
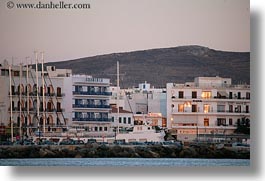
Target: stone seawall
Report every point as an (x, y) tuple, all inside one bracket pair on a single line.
[(96, 151)]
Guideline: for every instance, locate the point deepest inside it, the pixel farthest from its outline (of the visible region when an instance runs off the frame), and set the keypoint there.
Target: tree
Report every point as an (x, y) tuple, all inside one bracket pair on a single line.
[(243, 126)]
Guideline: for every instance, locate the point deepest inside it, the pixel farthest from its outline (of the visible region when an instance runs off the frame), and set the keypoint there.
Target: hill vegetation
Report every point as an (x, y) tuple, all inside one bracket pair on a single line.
[(161, 66)]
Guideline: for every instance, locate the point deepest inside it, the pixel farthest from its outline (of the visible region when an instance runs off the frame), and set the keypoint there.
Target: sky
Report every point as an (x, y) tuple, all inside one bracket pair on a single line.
[(112, 26)]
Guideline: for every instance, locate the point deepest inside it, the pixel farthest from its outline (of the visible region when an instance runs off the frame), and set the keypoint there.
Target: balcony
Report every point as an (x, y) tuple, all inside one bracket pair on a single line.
[(93, 119), (60, 95), (211, 98), (214, 112), (91, 93), (90, 106)]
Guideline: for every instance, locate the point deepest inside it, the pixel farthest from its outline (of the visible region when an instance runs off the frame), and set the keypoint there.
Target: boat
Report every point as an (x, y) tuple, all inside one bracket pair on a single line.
[(141, 133)]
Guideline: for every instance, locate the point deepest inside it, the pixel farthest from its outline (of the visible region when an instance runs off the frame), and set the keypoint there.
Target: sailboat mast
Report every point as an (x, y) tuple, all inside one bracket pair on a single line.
[(37, 81), (27, 84), (11, 104), (118, 94), (20, 99), (43, 91)]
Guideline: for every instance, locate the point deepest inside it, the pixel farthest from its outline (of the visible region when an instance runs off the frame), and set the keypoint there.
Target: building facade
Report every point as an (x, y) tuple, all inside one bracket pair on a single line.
[(144, 99), (34, 101), (90, 104), (122, 120), (209, 106)]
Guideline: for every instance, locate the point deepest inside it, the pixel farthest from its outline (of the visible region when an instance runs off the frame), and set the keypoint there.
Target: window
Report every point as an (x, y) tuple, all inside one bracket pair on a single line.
[(220, 108), (59, 91), (206, 94), (112, 119), (194, 94), (100, 128), (230, 121), (247, 108), (194, 108), (221, 121), (206, 108), (247, 95), (238, 109), (239, 95), (119, 119), (105, 128), (181, 94), (206, 121), (124, 120), (96, 128), (181, 108), (230, 95), (129, 120), (230, 108)]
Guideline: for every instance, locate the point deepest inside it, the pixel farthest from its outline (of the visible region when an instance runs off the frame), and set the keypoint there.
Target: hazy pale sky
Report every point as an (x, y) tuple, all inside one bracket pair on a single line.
[(112, 26)]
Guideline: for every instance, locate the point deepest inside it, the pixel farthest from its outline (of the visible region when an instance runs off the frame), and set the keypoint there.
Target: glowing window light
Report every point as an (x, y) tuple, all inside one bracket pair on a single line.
[(206, 108), (206, 94)]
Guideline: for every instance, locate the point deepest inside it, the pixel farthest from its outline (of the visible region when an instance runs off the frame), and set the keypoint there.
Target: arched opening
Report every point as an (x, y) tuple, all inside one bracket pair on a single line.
[(22, 104), (42, 119), (18, 122), (20, 89), (41, 90), (35, 105), (58, 122), (35, 89), (41, 106), (13, 89), (30, 104), (29, 120), (50, 90), (22, 120), (59, 109), (50, 106), (13, 106), (35, 121), (50, 120), (28, 88), (59, 91), (18, 105)]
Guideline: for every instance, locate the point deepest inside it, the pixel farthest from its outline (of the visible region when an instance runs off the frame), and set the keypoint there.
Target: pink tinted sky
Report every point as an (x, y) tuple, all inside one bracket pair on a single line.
[(122, 26)]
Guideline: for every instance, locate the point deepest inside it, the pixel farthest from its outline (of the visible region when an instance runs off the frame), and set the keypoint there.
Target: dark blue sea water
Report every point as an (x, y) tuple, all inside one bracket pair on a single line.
[(128, 162)]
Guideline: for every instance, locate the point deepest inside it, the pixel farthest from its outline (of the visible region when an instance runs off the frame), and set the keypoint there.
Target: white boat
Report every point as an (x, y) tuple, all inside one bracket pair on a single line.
[(141, 133)]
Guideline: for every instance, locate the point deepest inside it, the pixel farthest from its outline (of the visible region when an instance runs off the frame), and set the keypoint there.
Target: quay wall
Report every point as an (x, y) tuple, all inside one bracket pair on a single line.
[(111, 151)]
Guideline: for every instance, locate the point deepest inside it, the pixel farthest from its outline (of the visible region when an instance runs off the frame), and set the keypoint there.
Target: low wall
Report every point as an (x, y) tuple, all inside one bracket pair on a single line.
[(96, 151)]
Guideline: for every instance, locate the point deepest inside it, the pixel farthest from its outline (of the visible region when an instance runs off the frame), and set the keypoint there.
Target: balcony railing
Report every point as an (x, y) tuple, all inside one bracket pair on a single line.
[(91, 93), (93, 119), (34, 93), (209, 112), (211, 97), (90, 106)]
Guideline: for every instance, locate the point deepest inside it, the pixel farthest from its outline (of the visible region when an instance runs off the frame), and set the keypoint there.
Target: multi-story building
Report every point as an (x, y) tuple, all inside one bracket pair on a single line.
[(208, 106), (33, 101), (125, 119), (90, 105), (144, 99), (153, 119)]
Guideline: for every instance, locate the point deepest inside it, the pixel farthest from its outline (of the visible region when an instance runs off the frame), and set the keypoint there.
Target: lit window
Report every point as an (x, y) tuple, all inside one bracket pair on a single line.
[(206, 94), (206, 108), (181, 108)]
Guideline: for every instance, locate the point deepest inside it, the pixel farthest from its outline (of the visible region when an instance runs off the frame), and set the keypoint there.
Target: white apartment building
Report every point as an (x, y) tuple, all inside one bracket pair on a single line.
[(37, 101), (125, 119), (90, 103), (144, 100), (207, 106)]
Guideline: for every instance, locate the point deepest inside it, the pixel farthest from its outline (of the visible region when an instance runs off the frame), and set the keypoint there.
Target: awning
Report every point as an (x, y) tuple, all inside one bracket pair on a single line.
[(222, 93)]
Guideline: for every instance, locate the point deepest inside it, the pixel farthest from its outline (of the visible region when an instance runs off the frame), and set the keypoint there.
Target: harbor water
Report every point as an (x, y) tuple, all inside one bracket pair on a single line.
[(127, 162)]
